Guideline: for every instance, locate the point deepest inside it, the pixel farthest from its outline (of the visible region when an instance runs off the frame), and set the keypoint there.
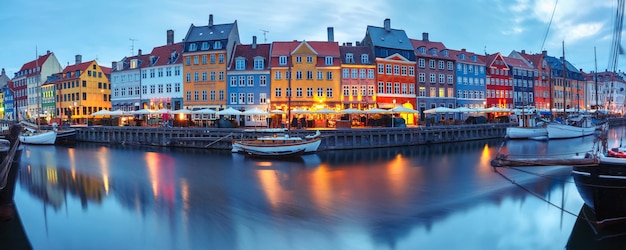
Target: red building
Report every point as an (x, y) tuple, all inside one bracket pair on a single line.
[(499, 83)]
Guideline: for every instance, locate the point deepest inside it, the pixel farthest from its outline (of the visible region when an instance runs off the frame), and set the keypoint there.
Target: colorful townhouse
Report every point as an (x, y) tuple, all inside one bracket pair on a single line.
[(80, 90), (48, 98), (161, 83), (4, 83), (308, 72), (435, 76), (249, 80), (395, 67), (611, 95), (358, 77), (566, 86), (499, 84), (542, 97), (126, 82), (8, 103), (470, 79), (523, 77), (27, 84), (207, 52)]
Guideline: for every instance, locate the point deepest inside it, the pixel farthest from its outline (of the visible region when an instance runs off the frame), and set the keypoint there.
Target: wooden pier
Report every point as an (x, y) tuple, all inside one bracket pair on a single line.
[(333, 139), (503, 160)]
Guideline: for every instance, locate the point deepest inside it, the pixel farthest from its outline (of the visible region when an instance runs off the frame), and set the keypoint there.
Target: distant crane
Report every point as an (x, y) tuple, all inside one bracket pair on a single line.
[(132, 45), (264, 37)]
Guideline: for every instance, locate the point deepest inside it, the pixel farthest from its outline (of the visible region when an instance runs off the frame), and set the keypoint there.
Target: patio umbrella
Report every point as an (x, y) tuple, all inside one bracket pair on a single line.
[(163, 111), (118, 113), (255, 111), (325, 111), (101, 113), (300, 111), (377, 111), (351, 111), (142, 112), (277, 112), (181, 111), (439, 110), (402, 109), (204, 111), (229, 111)]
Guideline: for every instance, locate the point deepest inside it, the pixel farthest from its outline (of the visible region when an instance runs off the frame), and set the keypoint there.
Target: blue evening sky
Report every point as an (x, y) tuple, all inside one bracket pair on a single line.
[(103, 30)]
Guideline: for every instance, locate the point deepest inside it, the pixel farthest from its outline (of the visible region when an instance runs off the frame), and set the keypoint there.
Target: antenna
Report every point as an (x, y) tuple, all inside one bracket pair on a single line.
[(264, 37), (132, 45)]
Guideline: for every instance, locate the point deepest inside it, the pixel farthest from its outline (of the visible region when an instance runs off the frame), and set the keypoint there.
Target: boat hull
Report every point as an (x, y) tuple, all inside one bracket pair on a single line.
[(308, 146), (603, 188), (562, 131), (525, 133), (45, 138)]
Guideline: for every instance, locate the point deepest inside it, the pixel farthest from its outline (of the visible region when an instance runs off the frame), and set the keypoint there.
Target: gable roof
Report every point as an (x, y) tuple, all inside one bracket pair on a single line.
[(34, 64), (209, 32), (167, 54), (357, 51), (517, 63), (454, 54), (392, 38), (249, 52)]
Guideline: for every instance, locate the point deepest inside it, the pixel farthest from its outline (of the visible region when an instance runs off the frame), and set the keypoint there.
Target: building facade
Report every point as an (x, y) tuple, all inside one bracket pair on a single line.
[(206, 53), (27, 84), (523, 77), (358, 77), (470, 79), (161, 85), (499, 84)]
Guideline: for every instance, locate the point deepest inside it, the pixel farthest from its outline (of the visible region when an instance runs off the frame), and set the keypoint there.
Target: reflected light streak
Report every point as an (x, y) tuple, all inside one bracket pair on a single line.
[(152, 163), (485, 161), (396, 172), (321, 188), (269, 183), (265, 164), (104, 167)]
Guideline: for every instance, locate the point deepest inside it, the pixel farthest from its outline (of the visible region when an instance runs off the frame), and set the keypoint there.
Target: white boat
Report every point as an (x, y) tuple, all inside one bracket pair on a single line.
[(277, 144), (529, 127), (578, 126), (38, 137)]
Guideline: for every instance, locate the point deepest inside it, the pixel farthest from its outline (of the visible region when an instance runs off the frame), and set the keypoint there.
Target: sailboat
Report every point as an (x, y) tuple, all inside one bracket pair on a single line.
[(528, 127), (279, 144), (575, 126), (34, 134)]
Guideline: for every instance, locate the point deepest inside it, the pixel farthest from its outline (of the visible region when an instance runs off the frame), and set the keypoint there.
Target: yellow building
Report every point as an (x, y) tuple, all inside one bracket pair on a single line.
[(82, 89), (206, 53), (308, 71)]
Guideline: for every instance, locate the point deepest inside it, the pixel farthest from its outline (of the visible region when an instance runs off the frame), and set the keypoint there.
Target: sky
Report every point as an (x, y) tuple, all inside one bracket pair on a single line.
[(108, 31)]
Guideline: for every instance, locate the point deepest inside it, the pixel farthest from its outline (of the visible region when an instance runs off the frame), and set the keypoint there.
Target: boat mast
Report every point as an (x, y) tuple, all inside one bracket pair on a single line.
[(564, 84), (595, 76)]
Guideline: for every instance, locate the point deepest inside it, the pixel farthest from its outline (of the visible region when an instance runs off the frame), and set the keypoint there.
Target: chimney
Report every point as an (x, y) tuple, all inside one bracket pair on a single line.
[(463, 50), (3, 72), (79, 59), (170, 37), (425, 36), (524, 52), (357, 43), (210, 20), (544, 53), (114, 65), (331, 34), (139, 52), (349, 44), (254, 42), (388, 24)]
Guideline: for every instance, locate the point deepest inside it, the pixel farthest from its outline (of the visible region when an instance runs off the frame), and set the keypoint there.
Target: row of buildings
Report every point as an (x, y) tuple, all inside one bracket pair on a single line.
[(210, 68)]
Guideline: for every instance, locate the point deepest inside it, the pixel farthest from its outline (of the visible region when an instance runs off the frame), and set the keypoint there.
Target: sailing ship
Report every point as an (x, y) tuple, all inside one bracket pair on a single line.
[(529, 127)]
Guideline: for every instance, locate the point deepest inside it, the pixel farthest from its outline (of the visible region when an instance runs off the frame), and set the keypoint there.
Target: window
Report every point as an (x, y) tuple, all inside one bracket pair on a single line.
[(298, 92), (192, 47), (355, 90), (212, 95), (288, 92), (262, 98), (422, 63), (212, 58), (309, 75), (442, 78), (217, 45), (346, 90), (212, 76), (278, 92), (262, 81), (258, 63), (168, 88), (396, 88), (242, 81), (309, 59), (221, 94), (298, 59), (381, 68), (433, 92), (362, 74), (282, 60), (329, 92), (403, 70), (346, 73), (233, 81), (389, 88), (204, 76), (298, 75), (441, 64), (365, 59), (320, 75), (396, 69), (250, 98), (195, 76), (433, 78), (233, 98), (160, 89), (204, 59), (195, 59), (250, 81), (411, 71), (329, 60), (205, 46), (349, 58), (370, 90), (355, 73), (388, 67), (309, 92), (329, 75), (320, 92), (240, 64), (188, 96), (431, 64), (221, 58), (277, 75)]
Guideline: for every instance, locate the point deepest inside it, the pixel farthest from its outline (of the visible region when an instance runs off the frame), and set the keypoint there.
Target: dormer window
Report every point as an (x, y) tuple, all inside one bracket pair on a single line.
[(193, 47), (365, 59), (217, 45), (282, 60), (444, 53), (432, 52), (133, 63), (349, 58), (205, 46), (328, 60), (462, 57), (474, 58), (153, 60), (421, 50), (240, 64), (259, 63)]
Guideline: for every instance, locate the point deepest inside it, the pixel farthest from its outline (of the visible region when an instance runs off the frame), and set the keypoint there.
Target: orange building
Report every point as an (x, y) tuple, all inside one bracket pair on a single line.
[(206, 54)]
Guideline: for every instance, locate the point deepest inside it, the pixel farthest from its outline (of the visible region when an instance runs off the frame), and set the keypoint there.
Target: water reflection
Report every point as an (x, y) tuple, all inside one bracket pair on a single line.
[(588, 235), (365, 199)]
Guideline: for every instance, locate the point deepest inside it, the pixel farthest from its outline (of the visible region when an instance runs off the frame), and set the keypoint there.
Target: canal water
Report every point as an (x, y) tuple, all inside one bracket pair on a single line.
[(94, 196)]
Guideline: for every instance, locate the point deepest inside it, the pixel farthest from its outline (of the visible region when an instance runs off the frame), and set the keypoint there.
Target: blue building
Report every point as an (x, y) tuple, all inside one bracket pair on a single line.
[(249, 81), (470, 79)]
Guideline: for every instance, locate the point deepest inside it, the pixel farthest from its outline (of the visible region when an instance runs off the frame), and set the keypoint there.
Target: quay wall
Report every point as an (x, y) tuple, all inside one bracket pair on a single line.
[(333, 139)]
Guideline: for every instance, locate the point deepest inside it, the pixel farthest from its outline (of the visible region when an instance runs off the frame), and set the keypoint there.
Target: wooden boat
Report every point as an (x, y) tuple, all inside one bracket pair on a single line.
[(603, 187), (275, 154), (38, 137), (277, 144), (578, 126), (529, 127)]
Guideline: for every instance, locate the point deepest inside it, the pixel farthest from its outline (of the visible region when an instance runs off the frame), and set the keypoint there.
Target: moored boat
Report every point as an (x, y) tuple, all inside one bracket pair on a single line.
[(603, 187), (38, 137), (277, 144), (529, 126), (578, 126)]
